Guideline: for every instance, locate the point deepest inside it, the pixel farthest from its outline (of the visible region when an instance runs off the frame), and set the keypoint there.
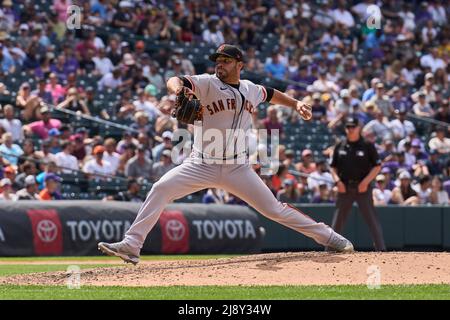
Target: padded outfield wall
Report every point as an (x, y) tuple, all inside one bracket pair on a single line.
[(73, 228)]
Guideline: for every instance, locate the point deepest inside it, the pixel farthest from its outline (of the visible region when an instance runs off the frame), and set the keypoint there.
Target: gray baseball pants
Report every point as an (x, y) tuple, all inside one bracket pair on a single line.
[(238, 179)]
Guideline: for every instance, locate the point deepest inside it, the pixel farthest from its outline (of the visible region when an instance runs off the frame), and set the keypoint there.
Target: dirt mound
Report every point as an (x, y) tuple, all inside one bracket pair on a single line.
[(305, 268)]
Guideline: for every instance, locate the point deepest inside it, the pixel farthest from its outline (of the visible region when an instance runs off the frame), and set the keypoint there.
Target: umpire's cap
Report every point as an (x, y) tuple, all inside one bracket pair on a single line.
[(351, 121), (227, 50)]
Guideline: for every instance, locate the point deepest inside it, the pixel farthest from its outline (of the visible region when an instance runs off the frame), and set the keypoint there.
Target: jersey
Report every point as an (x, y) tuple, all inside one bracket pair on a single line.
[(227, 115)]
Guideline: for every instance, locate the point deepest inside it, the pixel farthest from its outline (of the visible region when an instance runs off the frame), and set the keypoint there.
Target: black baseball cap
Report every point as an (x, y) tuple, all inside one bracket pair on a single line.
[(351, 122), (227, 50)]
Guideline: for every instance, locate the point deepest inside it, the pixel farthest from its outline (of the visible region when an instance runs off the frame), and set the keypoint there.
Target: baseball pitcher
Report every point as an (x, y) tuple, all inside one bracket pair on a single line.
[(221, 102)]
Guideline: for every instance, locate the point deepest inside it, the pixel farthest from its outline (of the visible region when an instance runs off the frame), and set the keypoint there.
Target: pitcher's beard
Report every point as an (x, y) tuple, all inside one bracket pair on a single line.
[(222, 75)]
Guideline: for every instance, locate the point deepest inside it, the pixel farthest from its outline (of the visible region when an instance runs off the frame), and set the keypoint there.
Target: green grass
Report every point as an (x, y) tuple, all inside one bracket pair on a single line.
[(233, 293)]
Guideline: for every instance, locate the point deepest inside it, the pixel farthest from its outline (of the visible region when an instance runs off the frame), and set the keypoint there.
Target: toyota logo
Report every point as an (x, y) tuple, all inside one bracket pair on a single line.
[(47, 230), (175, 230)]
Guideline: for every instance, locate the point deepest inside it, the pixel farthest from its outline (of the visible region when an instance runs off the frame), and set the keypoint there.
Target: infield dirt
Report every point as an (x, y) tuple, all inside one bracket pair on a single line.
[(299, 268)]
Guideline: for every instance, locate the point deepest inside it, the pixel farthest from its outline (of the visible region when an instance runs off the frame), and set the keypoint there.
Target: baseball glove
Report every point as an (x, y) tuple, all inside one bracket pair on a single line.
[(187, 109)]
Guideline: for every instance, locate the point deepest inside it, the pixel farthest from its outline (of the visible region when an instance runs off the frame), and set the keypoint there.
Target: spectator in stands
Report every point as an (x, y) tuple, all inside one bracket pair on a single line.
[(212, 34), (139, 166), (432, 60), (382, 101), (56, 90), (215, 195), (131, 195), (129, 151), (73, 103), (443, 114), (289, 160), (386, 149), (401, 127), (278, 178), (48, 168), (42, 92), (10, 124), (65, 160), (324, 195), (369, 93), (42, 127), (7, 192), (103, 64), (26, 169), (97, 168), (318, 110), (289, 192), (164, 165), (423, 189), (438, 194), (142, 123), (416, 150), (381, 194), (379, 127), (319, 177), (165, 144), (27, 102), (271, 122), (10, 172), (343, 108), (404, 194), (275, 68), (147, 106), (422, 108), (111, 155), (307, 165), (10, 150), (29, 192), (111, 80), (51, 190), (165, 121), (434, 164), (342, 16), (440, 142), (323, 85), (398, 100)]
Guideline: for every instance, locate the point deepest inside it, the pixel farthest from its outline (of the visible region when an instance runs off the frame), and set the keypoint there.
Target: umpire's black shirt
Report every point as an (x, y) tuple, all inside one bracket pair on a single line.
[(354, 160)]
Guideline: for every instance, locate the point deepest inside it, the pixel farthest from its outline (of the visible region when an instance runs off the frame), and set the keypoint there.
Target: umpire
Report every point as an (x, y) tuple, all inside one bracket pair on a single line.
[(355, 164)]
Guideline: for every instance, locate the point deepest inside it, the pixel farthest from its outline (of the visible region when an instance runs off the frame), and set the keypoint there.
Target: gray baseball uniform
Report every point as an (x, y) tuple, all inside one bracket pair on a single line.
[(225, 106)]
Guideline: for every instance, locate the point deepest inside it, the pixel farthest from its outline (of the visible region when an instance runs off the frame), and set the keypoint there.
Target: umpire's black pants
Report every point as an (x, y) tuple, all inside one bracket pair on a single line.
[(364, 200)]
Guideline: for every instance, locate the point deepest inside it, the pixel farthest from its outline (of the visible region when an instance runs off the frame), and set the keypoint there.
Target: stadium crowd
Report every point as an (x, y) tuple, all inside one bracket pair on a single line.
[(394, 77)]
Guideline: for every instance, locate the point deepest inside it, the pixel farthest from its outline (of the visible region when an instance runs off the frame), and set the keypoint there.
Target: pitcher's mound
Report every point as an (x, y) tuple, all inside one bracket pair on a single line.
[(300, 268)]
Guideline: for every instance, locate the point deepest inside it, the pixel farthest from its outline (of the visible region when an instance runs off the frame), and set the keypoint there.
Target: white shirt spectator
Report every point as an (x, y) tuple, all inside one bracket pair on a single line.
[(428, 34), (438, 13), (103, 65), (66, 161), (324, 17), (343, 17), (401, 129), (316, 178), (382, 196), (148, 107), (93, 167), (98, 43), (434, 63), (361, 10), (409, 20), (215, 38), (443, 146), (379, 128), (109, 81), (423, 195), (113, 159), (14, 127)]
